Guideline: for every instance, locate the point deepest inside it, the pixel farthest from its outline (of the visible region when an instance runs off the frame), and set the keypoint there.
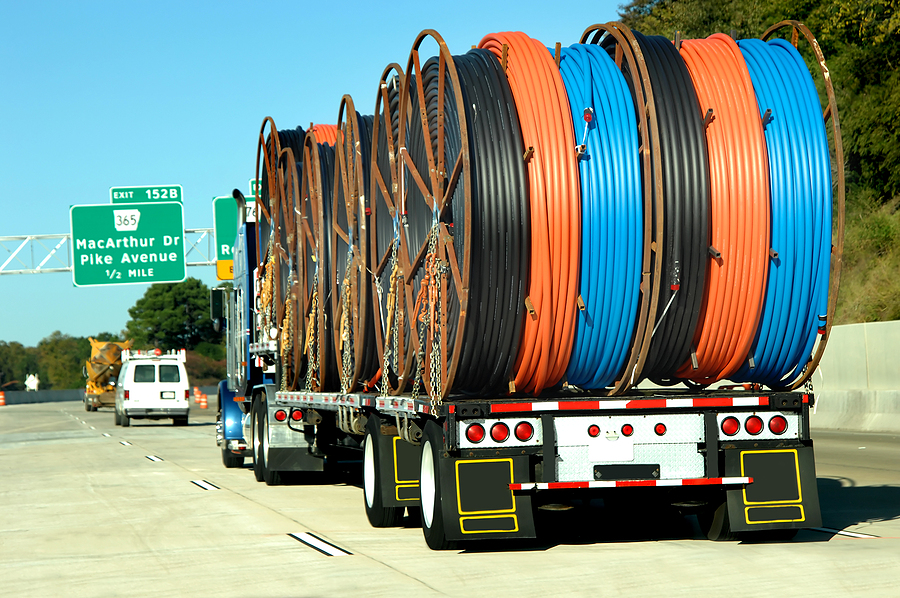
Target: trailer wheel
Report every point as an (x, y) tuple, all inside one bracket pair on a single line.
[(378, 514), (230, 460), (270, 477), (258, 463), (714, 522), (430, 488)]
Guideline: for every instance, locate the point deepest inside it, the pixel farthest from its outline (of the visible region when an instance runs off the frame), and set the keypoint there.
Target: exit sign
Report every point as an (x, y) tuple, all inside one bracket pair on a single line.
[(225, 219), (127, 243), (151, 193)]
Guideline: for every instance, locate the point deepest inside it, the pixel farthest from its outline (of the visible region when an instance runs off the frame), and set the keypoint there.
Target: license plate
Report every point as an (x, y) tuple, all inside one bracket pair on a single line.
[(168, 394)]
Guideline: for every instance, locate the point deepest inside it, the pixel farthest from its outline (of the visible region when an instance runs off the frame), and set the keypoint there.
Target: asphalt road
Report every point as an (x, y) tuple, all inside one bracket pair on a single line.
[(91, 509)]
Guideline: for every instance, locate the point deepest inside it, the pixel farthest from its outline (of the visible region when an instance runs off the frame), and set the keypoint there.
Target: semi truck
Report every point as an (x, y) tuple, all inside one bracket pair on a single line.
[(361, 289)]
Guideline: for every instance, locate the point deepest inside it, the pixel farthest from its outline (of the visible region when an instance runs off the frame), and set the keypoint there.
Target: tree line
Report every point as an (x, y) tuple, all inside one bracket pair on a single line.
[(168, 316)]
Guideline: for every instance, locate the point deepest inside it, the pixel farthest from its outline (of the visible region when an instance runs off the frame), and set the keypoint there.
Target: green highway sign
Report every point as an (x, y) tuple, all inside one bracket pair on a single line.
[(127, 243), (225, 219), (150, 193), (254, 187)]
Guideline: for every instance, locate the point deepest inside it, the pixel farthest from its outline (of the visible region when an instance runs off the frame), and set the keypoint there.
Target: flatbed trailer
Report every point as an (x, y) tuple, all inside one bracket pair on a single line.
[(478, 467)]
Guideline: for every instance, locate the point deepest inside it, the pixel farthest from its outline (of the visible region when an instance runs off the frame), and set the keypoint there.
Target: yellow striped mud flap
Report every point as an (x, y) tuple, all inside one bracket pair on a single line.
[(783, 493), (398, 469), (478, 503)]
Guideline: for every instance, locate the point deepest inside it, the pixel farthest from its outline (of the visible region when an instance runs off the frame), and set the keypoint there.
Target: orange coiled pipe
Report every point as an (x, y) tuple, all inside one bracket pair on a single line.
[(554, 203), (740, 210), (324, 133)]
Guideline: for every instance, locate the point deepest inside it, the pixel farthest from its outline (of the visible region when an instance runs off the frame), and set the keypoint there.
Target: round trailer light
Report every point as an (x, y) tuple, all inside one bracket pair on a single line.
[(280, 415), (778, 425), (475, 433), (499, 432), (593, 430), (753, 425), (296, 415), (660, 429), (730, 426), (627, 430), (524, 431)]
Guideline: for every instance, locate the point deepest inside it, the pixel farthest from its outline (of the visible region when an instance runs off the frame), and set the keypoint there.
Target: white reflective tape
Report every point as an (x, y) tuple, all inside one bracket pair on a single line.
[(319, 544)]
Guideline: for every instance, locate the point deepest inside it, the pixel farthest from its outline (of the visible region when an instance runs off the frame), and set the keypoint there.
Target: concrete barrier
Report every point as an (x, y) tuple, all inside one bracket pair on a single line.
[(21, 397), (857, 385)]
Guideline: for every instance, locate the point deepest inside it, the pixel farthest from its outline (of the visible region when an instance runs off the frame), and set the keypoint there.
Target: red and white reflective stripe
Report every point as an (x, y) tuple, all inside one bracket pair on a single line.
[(632, 404), (631, 483)]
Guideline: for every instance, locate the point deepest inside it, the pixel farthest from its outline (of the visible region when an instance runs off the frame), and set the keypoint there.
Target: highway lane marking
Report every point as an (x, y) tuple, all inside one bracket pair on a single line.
[(124, 443), (105, 434), (317, 543), (841, 532), (205, 485), (153, 457)]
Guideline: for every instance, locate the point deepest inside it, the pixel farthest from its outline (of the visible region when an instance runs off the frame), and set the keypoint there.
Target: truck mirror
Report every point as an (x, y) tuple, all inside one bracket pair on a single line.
[(217, 304), (217, 324)]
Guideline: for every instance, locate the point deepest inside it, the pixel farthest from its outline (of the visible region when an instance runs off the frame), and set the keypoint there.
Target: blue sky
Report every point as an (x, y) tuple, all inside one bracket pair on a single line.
[(103, 94)]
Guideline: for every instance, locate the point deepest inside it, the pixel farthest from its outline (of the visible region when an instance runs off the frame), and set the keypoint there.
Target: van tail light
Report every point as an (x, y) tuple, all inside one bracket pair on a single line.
[(187, 394), (127, 395)]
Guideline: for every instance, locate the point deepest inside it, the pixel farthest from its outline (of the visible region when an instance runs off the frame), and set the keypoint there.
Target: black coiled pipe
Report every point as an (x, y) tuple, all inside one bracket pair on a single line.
[(685, 167), (498, 228)]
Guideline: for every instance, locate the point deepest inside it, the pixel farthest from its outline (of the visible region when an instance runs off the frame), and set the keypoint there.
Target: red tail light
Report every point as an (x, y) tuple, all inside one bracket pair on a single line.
[(126, 395), (660, 429), (627, 430), (753, 425), (187, 394), (280, 415), (524, 431), (296, 415), (730, 426), (778, 425), (593, 430), (499, 432), (475, 433)]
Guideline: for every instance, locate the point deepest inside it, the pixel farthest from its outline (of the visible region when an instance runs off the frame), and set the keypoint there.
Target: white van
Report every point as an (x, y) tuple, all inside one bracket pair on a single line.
[(152, 385)]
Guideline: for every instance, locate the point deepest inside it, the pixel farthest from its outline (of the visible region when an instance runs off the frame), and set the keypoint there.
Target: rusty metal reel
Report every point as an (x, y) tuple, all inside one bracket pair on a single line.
[(353, 330), (268, 210), (619, 42), (389, 307), (829, 114), (435, 187)]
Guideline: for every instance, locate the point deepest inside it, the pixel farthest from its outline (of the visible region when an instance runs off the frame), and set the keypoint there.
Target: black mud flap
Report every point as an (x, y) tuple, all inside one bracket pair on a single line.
[(478, 503), (398, 466), (783, 494)]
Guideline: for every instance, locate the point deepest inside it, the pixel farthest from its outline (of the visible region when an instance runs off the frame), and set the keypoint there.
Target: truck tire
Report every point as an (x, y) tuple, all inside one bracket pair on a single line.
[(126, 421), (257, 449), (378, 514), (270, 477), (430, 487), (230, 460), (180, 421), (87, 405), (714, 522)]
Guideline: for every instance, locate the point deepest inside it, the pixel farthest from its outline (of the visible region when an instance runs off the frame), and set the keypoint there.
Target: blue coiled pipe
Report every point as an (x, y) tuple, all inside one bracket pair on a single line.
[(611, 215), (796, 301)]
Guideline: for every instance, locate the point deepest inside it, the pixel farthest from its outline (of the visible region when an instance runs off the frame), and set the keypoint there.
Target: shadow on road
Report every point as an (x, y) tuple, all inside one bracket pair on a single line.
[(845, 504)]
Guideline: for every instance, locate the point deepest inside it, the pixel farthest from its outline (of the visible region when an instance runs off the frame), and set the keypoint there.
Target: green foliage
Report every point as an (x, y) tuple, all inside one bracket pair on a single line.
[(203, 370), (62, 358), (214, 352), (16, 362), (172, 316)]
